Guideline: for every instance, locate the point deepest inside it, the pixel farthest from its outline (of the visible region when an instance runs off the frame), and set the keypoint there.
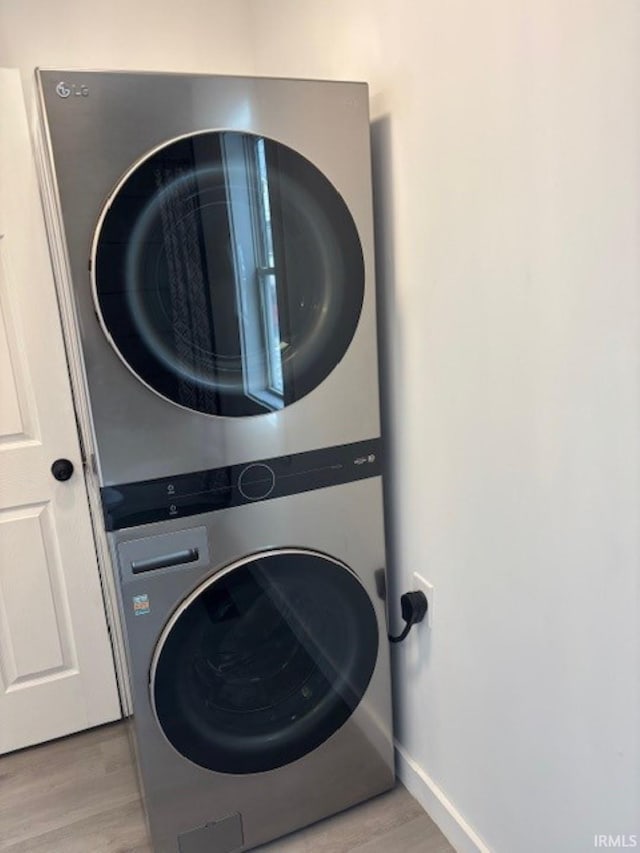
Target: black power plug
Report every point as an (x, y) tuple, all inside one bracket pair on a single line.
[(413, 606)]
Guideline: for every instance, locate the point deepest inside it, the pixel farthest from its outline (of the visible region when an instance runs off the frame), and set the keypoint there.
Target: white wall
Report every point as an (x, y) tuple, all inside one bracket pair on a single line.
[(209, 36), (507, 165)]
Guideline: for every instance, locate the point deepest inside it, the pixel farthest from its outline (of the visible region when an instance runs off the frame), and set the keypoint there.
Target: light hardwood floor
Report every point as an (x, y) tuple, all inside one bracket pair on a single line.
[(80, 795)]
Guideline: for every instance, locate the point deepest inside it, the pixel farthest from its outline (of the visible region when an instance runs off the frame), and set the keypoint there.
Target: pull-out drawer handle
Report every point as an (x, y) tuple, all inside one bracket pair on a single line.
[(189, 555)]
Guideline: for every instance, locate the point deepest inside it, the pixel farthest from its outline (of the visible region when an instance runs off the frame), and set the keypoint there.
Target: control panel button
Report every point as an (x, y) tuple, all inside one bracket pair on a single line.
[(256, 482)]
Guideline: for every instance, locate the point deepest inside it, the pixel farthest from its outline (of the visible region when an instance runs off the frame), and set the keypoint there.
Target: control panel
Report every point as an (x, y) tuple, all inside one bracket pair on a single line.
[(132, 504)]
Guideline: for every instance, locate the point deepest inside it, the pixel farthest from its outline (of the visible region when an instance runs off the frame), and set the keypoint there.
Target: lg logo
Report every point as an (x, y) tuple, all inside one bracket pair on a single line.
[(65, 89)]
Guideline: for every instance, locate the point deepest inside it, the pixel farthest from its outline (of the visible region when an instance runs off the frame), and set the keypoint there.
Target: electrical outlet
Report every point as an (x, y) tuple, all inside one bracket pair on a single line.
[(420, 583)]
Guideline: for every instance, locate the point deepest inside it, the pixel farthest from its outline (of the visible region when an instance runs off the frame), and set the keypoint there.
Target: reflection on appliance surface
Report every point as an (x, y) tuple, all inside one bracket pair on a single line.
[(240, 271), (264, 661), (249, 210)]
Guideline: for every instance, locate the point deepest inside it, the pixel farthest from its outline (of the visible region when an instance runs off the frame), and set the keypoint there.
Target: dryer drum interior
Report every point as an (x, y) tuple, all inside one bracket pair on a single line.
[(264, 662), (228, 273)]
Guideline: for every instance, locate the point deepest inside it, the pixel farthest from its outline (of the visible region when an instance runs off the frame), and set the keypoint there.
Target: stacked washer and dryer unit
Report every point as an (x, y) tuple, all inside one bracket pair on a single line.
[(219, 241)]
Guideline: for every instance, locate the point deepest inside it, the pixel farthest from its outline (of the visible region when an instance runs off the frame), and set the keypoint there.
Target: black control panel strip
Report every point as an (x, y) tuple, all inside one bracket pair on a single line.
[(132, 504)]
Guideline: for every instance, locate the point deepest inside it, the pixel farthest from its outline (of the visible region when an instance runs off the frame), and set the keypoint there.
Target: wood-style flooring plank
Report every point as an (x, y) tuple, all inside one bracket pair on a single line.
[(117, 830), (419, 835), (80, 795), (47, 788), (345, 831)]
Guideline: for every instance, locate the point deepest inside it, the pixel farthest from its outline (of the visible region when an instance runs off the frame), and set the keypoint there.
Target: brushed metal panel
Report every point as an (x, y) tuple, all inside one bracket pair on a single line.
[(107, 123), (223, 836), (94, 140), (355, 763)]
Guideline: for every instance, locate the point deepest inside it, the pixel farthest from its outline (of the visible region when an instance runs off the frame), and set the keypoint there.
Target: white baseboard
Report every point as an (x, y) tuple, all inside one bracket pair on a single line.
[(440, 809)]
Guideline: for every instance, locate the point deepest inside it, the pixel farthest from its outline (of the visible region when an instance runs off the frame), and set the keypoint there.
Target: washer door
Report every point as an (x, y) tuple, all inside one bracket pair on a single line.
[(264, 662), (228, 273)]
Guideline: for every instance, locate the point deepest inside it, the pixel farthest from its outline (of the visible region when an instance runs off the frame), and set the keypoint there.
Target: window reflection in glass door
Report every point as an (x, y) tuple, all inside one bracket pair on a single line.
[(228, 273), (249, 212)]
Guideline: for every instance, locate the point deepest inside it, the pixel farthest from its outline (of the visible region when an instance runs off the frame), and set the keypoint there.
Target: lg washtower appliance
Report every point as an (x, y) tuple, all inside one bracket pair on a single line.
[(214, 248)]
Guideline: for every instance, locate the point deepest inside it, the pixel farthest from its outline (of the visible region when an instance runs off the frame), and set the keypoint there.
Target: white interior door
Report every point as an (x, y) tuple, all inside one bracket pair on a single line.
[(56, 666)]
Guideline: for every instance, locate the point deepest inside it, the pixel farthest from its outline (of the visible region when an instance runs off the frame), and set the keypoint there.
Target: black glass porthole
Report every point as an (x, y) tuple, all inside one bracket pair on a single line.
[(265, 663), (228, 274)]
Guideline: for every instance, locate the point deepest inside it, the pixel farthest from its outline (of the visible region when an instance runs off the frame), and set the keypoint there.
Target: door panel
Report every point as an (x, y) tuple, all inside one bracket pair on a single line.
[(228, 274), (35, 639), (11, 423), (56, 666), (265, 661)]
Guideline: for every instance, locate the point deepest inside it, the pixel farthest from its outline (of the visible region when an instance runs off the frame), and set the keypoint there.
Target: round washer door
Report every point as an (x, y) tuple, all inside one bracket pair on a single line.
[(264, 661), (228, 273)]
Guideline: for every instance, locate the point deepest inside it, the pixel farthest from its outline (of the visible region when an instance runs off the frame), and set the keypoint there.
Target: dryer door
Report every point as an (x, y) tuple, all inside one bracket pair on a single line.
[(264, 661), (228, 273)]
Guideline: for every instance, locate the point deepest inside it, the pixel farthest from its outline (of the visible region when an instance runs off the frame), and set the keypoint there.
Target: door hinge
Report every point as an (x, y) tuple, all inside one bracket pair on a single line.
[(90, 464)]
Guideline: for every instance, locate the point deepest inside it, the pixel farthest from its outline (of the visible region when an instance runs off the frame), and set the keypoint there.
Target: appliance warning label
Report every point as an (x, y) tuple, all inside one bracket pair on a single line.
[(141, 605)]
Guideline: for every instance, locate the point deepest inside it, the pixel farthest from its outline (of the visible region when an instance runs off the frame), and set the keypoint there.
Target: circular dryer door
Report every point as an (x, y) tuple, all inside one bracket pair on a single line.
[(264, 661), (228, 273)]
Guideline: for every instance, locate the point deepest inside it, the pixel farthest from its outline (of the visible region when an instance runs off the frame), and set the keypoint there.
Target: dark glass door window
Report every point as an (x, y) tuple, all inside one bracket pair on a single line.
[(229, 274), (265, 663)]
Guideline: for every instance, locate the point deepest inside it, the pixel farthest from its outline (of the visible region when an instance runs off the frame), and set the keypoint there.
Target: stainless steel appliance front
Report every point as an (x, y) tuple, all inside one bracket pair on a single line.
[(219, 240), (218, 234), (259, 665)]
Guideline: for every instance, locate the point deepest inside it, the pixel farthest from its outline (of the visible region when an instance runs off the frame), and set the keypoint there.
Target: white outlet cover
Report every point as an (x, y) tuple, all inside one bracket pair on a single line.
[(420, 583)]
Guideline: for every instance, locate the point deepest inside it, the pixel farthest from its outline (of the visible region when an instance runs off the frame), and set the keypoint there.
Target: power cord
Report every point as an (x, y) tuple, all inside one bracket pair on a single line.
[(414, 607)]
